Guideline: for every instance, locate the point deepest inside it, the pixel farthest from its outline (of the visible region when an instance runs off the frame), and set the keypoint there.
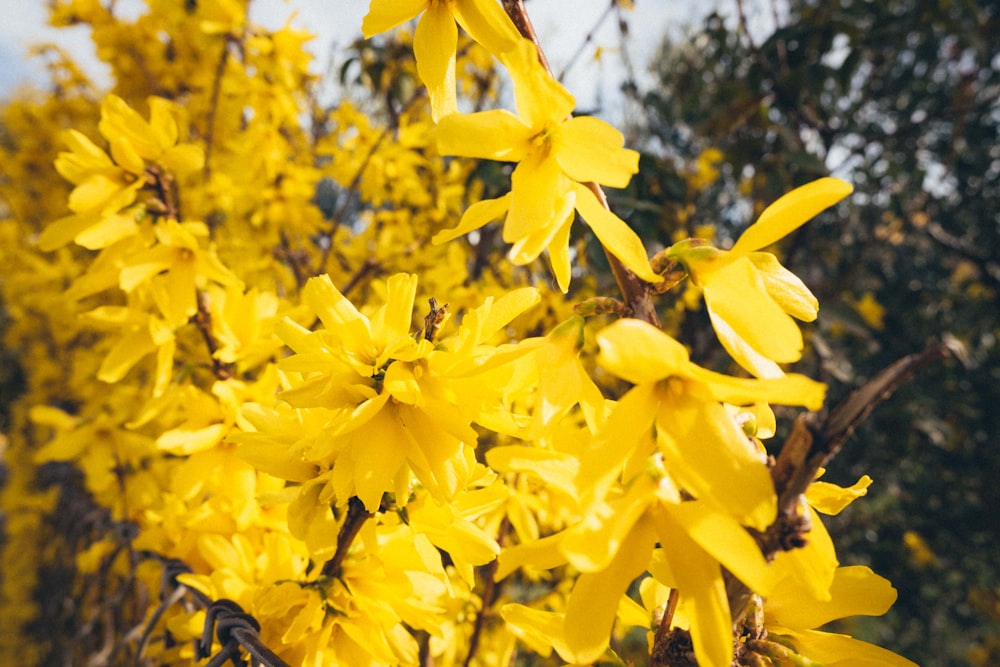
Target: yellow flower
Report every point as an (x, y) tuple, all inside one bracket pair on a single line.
[(106, 185), (385, 400), (134, 142), (704, 449), (751, 298), (436, 38), (791, 612), (556, 155), (174, 268)]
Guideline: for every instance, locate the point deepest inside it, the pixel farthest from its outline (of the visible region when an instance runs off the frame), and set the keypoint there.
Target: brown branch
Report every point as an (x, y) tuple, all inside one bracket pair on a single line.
[(825, 436), (519, 15), (355, 519), (491, 591), (203, 320), (635, 291), (164, 185), (368, 266), (815, 439), (213, 107), (434, 319)]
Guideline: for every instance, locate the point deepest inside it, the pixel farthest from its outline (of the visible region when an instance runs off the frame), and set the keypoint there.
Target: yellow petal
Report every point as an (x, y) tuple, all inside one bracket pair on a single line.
[(387, 14), (540, 630), (189, 441), (488, 24), (559, 258), (833, 650), (593, 604), (639, 352), (831, 499), (549, 237), (98, 192), (490, 135), (125, 156), (590, 149), (791, 389), (183, 159), (743, 354), (727, 541), (110, 229), (544, 554), (162, 122), (614, 234), (702, 591), (336, 311), (275, 459), (84, 159), (707, 454), (124, 355), (541, 101), (394, 320), (736, 294), (591, 545), (785, 287), (627, 428), (60, 232), (400, 384), (556, 469), (536, 200), (495, 315), (855, 591), (434, 47), (813, 566), (790, 212), (475, 217), (120, 120)]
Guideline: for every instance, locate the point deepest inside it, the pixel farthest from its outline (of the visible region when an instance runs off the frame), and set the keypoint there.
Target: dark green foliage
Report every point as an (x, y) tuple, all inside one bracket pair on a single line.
[(901, 98)]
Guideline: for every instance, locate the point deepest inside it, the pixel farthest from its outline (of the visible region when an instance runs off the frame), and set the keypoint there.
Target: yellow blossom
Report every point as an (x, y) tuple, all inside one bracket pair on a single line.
[(556, 155), (751, 298), (791, 613), (436, 37), (704, 449), (388, 401), (107, 185)]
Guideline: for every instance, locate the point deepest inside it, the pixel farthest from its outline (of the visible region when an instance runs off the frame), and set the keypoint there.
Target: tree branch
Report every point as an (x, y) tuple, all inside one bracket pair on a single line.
[(634, 290)]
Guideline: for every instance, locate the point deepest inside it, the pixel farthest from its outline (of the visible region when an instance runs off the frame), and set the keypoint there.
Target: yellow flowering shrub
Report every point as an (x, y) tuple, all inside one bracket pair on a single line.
[(324, 413)]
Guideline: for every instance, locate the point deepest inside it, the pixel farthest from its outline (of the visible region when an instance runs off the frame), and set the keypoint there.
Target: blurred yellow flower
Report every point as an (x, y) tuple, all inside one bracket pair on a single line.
[(107, 185)]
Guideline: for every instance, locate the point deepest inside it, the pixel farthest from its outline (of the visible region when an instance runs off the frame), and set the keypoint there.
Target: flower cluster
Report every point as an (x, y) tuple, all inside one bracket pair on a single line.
[(225, 336)]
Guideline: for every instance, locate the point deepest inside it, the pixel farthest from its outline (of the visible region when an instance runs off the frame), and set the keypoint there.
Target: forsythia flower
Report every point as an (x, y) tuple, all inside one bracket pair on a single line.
[(749, 295), (106, 185), (388, 401), (704, 449), (698, 449), (791, 613), (556, 155), (436, 38)]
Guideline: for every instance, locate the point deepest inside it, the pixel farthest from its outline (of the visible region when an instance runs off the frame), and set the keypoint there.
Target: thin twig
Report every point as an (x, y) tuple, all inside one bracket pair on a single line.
[(203, 320), (635, 292), (491, 590), (213, 107), (355, 519), (587, 40), (352, 188)]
